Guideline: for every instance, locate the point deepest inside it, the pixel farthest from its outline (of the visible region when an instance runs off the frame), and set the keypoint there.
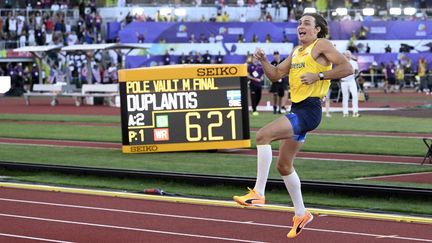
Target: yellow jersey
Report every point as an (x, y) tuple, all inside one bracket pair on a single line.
[(302, 62)]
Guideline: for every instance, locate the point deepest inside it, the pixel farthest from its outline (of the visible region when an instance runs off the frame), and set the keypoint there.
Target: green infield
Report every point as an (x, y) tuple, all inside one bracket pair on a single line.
[(203, 163), (88, 128)]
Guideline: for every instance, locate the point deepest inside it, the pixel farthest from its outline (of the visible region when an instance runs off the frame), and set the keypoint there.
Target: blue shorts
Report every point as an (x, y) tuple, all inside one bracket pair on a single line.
[(305, 116)]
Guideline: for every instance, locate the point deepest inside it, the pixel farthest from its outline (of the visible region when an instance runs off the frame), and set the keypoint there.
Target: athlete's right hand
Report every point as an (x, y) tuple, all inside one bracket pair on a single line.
[(260, 55)]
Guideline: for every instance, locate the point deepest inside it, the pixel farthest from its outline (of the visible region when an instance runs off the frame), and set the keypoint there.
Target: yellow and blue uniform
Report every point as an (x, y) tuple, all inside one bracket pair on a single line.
[(306, 108)]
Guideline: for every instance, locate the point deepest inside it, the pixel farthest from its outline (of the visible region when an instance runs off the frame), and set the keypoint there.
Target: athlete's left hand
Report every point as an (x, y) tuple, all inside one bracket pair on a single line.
[(309, 78)]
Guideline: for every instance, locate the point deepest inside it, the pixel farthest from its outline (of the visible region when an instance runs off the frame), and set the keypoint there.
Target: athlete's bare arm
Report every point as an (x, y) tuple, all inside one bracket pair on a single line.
[(272, 72), (325, 53)]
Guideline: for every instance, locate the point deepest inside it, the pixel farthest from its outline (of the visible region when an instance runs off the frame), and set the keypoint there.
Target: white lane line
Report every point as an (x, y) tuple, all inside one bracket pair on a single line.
[(34, 238), (386, 236), (124, 228), (394, 176), (212, 219)]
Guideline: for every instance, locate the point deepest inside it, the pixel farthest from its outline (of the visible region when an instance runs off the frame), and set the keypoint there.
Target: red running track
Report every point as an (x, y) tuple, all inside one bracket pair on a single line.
[(31, 215)]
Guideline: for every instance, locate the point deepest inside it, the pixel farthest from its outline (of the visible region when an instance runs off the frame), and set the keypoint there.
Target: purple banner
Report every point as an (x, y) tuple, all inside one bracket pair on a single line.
[(364, 60), (382, 30), (153, 32)]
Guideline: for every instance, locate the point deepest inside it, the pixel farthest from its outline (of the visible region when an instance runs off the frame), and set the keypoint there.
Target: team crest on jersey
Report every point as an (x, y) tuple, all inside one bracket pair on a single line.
[(298, 65)]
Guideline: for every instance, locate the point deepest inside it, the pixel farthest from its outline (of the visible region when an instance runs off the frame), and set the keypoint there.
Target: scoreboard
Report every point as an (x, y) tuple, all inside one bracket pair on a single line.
[(184, 108)]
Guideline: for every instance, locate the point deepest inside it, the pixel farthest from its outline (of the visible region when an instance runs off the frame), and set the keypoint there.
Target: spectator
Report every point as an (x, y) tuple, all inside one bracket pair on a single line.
[(71, 39), (388, 49), (277, 87), (268, 17), (255, 76), (203, 38), (242, 18), (390, 77), (203, 18), (167, 58), (211, 38), (422, 66), (140, 37), (219, 58), (31, 37), (349, 85), (207, 57), (241, 39), (268, 38), (219, 38), (255, 38), (182, 59), (367, 48), (225, 17), (358, 17), (192, 38), (429, 81), (363, 32), (400, 76), (277, 6), (22, 39), (351, 43)]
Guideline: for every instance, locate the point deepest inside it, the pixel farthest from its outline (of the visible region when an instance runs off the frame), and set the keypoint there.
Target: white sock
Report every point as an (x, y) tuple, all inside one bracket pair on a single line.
[(292, 183), (264, 159)]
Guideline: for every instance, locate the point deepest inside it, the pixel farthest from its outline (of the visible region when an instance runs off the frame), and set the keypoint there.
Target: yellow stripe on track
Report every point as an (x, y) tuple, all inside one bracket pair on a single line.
[(341, 213)]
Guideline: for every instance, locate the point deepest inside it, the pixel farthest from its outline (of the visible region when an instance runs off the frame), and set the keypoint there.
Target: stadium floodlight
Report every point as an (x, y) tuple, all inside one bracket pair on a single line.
[(410, 11), (181, 12), (395, 11), (165, 11), (368, 11), (342, 11), (309, 10)]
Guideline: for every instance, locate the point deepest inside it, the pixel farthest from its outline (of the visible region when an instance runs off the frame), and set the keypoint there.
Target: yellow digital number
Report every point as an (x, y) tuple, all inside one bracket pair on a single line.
[(141, 133), (231, 115), (219, 123), (190, 126)]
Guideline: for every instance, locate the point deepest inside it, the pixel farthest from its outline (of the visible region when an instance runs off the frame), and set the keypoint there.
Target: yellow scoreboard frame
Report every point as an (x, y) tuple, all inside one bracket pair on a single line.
[(184, 108)]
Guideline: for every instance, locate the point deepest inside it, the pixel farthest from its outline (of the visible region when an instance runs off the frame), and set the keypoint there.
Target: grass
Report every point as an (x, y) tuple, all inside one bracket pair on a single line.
[(367, 123), (336, 122), (318, 143), (222, 164), (200, 163)]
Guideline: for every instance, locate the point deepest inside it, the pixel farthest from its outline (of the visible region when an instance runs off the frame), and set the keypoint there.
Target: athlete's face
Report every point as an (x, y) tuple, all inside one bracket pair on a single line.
[(307, 30)]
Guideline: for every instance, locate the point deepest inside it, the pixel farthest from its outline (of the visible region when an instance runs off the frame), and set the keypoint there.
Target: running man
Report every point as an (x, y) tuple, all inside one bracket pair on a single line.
[(309, 67)]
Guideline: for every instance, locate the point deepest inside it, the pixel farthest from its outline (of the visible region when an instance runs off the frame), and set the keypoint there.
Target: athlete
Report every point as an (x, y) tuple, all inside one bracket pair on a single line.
[(349, 85), (309, 67)]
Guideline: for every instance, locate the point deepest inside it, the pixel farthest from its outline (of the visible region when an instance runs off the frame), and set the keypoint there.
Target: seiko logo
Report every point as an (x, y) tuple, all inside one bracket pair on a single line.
[(217, 71), (141, 149)]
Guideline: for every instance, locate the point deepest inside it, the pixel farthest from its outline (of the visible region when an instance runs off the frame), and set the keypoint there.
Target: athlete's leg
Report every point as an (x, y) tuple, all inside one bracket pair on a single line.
[(278, 129), (287, 152)]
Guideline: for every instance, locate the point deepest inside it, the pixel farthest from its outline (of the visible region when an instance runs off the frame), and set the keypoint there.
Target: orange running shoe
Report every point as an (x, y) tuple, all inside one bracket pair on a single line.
[(250, 199), (299, 223)]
